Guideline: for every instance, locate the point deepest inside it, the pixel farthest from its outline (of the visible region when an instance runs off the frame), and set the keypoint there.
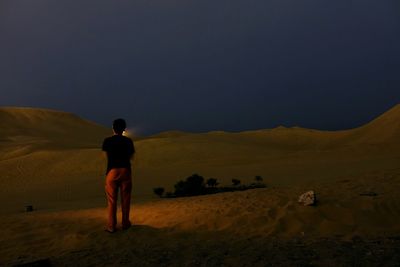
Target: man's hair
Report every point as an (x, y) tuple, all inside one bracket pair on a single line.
[(119, 126)]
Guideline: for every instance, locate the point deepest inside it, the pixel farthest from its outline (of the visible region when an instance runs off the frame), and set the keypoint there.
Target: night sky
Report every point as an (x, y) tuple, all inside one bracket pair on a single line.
[(201, 65)]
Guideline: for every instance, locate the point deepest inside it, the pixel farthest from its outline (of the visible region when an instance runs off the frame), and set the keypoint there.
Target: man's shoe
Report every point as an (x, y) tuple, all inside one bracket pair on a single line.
[(126, 227), (111, 231)]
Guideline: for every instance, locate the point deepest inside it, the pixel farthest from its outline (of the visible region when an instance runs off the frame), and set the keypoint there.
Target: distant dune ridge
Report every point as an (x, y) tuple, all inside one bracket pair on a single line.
[(55, 128), (58, 154), (52, 160), (66, 129)]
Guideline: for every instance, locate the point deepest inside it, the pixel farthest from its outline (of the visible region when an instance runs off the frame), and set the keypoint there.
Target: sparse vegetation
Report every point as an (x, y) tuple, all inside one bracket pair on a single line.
[(194, 185), (236, 182), (159, 191), (258, 179), (212, 182)]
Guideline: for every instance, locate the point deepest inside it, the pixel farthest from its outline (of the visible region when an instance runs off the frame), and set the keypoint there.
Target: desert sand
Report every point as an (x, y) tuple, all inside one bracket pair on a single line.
[(52, 160)]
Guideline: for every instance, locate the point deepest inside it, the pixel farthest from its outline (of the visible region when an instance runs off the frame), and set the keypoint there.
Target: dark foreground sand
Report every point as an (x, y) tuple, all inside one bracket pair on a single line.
[(262, 227), (225, 251), (146, 246)]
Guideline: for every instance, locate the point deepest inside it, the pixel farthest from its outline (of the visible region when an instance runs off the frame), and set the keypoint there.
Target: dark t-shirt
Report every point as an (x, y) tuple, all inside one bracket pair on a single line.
[(119, 151)]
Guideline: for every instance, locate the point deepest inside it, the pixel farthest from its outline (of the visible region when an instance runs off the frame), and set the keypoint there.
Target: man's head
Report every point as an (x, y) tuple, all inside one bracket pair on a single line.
[(119, 126)]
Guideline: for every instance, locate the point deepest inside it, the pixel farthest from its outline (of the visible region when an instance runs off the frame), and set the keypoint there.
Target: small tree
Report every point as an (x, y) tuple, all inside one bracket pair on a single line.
[(212, 182), (159, 191), (180, 188), (192, 186), (235, 182), (258, 179)]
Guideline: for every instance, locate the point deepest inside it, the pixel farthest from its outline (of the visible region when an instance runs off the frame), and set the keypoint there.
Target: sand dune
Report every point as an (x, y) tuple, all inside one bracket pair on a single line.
[(58, 155), (231, 229), (281, 155), (52, 160), (58, 129)]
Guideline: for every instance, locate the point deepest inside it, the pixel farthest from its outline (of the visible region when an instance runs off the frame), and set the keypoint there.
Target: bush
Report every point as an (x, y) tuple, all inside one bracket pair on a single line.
[(212, 182), (258, 178), (193, 185), (159, 191), (235, 182), (180, 188)]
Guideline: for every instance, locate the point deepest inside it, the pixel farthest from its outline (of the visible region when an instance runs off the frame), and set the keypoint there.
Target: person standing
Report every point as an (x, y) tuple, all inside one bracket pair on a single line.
[(119, 150)]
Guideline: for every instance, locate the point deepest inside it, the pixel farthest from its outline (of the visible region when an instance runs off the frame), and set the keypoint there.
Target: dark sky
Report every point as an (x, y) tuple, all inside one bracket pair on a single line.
[(200, 65)]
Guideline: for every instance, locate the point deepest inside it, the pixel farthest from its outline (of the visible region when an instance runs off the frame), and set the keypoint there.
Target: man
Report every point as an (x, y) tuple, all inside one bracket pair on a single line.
[(120, 150)]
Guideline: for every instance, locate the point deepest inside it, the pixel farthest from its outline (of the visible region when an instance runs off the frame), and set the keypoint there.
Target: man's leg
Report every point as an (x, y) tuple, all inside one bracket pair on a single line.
[(112, 197), (126, 189)]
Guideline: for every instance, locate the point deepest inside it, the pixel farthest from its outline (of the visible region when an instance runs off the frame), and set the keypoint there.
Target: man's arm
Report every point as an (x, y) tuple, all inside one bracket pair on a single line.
[(104, 149)]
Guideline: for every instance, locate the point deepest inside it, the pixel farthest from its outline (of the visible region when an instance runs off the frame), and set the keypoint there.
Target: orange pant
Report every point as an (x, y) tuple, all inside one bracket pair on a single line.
[(115, 179)]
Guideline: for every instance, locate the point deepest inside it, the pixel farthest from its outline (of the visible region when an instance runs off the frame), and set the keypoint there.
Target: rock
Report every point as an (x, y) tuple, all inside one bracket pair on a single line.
[(308, 199)]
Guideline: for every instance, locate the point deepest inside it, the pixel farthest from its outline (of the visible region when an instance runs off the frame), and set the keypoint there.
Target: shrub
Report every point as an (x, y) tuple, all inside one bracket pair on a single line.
[(235, 182), (193, 185), (212, 182), (159, 191), (180, 188), (258, 178)]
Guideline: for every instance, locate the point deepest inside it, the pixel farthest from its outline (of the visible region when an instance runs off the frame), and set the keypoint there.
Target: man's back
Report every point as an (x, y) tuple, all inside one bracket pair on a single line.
[(119, 150)]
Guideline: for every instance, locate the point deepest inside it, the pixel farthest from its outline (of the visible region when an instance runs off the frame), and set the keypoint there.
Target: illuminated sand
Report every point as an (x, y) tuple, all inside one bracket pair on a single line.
[(235, 229), (61, 174), (52, 159)]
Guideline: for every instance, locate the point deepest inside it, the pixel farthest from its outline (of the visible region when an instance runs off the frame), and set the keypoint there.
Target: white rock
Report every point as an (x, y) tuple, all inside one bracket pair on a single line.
[(308, 199)]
